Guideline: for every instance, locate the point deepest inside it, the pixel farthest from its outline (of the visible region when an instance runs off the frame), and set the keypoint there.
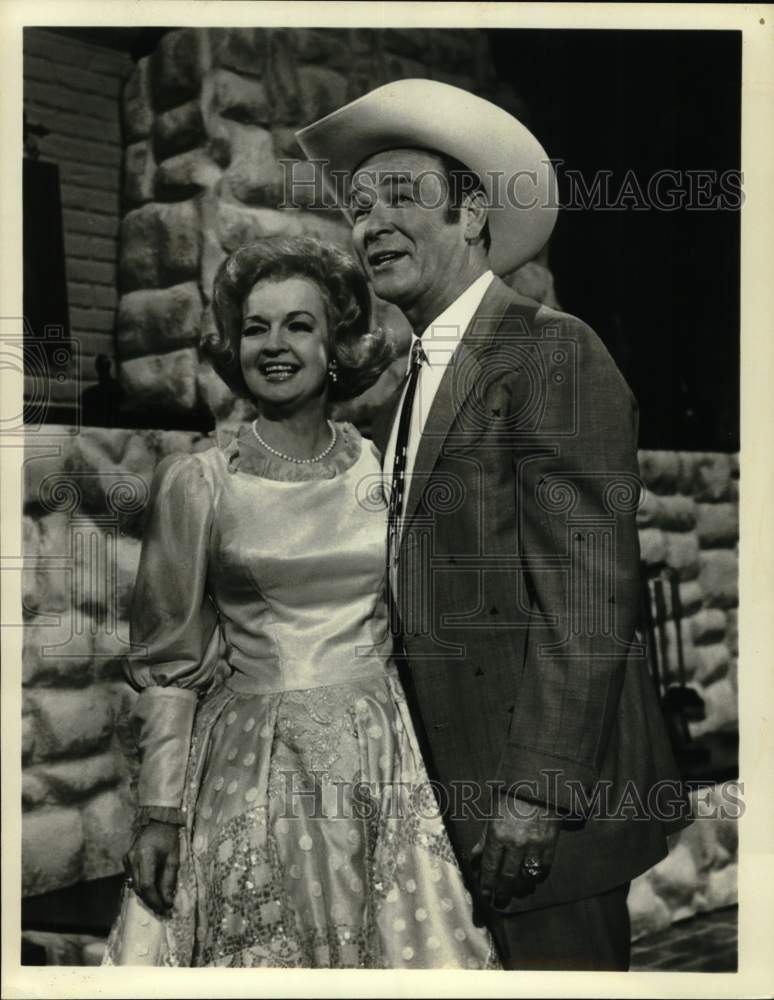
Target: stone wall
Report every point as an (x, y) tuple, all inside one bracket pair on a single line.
[(73, 89), (85, 495), (209, 119)]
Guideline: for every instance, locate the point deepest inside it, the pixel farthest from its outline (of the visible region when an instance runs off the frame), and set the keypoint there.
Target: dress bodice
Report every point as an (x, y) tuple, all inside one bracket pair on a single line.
[(297, 571), (271, 581)]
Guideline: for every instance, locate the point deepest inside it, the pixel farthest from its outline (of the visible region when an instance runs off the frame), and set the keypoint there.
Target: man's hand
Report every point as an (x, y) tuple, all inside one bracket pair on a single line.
[(523, 833), (152, 863)]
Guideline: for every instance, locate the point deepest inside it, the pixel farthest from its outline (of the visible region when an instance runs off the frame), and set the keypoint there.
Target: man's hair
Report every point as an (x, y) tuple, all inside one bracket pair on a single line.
[(462, 181), (360, 351)]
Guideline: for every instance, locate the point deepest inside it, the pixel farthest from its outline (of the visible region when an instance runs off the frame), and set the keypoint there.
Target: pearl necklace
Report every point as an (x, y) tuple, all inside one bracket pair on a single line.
[(291, 458)]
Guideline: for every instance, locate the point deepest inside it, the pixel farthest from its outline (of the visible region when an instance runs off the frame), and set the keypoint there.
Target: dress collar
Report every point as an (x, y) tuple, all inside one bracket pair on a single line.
[(245, 454)]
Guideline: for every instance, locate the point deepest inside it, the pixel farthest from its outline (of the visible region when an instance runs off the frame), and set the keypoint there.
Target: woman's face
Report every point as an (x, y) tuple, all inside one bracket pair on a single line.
[(284, 345)]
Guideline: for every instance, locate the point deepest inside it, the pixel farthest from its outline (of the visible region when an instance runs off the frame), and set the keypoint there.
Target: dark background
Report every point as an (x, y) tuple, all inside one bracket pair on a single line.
[(660, 288)]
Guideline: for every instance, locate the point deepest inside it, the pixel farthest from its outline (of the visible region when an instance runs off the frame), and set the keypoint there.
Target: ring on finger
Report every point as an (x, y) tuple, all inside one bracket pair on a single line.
[(532, 868)]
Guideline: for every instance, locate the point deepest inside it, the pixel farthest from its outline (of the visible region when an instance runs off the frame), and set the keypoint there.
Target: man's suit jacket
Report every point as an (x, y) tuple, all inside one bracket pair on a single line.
[(518, 586)]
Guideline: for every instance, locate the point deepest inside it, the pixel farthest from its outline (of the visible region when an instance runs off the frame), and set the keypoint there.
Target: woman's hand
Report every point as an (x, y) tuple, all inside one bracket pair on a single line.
[(152, 863)]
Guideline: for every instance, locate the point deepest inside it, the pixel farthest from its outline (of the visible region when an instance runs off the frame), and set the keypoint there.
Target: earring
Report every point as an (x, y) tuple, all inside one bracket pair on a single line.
[(333, 372)]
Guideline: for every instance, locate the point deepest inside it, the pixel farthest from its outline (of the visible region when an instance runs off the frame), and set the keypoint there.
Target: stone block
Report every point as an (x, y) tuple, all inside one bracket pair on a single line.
[(141, 454), (328, 226), (253, 175), (107, 825), (110, 649), (42, 468), (722, 711), (301, 184), (719, 578), (702, 841), (691, 596), (139, 173), (732, 630), (281, 79), (72, 780), (176, 442), (721, 888), (285, 144), (712, 662), (152, 321), (93, 953), (71, 723), (660, 470), (29, 726), (213, 256), (127, 562), (682, 554), (676, 513), (708, 626), (712, 482), (163, 383), (648, 913), (36, 791), (727, 830), (180, 129), (330, 46), (676, 878), (175, 68), (160, 245), (653, 546), (236, 225), (220, 400), (52, 849), (136, 103), (57, 655), (243, 50), (322, 90), (240, 98), (186, 175), (717, 525)]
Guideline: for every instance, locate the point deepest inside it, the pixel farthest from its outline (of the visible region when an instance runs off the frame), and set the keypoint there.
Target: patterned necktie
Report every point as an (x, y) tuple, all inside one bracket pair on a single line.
[(398, 490)]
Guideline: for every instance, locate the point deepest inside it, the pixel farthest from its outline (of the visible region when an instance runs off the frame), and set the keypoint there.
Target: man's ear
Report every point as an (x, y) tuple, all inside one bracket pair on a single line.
[(475, 211)]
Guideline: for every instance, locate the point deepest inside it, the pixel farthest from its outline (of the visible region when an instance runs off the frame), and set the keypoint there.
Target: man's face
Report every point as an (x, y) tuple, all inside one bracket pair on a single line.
[(409, 247)]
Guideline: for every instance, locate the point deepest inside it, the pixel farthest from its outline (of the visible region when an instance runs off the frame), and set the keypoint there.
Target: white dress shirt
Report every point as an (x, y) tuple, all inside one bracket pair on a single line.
[(439, 341)]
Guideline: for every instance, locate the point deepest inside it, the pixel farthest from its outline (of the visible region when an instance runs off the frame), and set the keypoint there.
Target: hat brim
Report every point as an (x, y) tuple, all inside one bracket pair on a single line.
[(513, 167)]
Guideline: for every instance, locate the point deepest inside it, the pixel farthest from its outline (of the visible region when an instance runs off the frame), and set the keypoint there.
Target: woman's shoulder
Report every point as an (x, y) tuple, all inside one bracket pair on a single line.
[(180, 472)]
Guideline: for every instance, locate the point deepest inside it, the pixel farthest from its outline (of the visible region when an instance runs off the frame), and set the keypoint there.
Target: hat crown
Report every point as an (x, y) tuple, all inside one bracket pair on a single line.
[(513, 167)]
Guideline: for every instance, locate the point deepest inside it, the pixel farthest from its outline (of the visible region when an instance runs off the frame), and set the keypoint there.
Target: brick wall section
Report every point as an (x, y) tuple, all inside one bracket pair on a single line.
[(73, 89)]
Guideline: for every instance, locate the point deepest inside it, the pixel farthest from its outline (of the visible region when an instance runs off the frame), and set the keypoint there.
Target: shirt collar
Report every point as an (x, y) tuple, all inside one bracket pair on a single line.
[(441, 337)]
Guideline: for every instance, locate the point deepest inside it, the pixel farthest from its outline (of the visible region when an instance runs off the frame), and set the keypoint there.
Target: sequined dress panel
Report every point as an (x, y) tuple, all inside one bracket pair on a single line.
[(312, 836)]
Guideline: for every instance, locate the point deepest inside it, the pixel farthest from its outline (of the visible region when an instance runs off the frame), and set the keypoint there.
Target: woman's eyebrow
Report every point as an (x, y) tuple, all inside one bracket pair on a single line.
[(290, 315)]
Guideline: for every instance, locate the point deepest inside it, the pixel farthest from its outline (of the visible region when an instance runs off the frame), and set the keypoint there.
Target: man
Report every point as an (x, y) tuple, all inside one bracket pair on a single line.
[(510, 454)]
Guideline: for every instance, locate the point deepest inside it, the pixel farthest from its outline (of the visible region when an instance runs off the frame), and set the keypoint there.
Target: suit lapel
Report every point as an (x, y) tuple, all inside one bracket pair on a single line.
[(456, 385)]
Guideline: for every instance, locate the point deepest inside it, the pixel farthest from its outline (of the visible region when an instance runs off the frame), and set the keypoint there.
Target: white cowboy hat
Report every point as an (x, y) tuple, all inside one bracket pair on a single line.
[(513, 167)]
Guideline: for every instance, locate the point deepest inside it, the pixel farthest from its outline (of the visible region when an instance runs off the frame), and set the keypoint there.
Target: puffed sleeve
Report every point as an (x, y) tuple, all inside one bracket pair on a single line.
[(173, 627)]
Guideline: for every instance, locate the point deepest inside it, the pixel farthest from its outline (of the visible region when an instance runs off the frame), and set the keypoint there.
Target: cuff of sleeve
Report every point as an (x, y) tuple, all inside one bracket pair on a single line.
[(163, 720), (541, 778), (160, 814)]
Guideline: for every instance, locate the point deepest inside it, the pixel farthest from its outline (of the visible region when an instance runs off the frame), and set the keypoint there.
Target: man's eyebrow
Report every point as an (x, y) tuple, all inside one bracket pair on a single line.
[(380, 177)]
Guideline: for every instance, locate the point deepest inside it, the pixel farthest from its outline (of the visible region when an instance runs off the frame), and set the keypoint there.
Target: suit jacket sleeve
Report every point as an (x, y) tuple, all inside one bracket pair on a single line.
[(576, 497)]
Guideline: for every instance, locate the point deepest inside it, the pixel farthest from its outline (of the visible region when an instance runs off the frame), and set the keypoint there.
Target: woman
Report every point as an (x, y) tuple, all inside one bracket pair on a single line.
[(284, 815)]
